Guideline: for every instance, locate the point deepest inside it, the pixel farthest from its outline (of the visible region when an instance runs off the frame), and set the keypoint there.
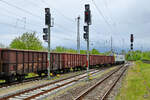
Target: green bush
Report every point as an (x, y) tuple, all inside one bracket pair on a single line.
[(27, 41), (138, 55)]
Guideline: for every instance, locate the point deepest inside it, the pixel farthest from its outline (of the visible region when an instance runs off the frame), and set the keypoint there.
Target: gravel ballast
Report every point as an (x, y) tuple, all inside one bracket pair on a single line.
[(70, 93)]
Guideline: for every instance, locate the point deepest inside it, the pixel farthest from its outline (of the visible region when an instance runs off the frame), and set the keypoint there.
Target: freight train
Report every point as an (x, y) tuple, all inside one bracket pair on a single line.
[(16, 64)]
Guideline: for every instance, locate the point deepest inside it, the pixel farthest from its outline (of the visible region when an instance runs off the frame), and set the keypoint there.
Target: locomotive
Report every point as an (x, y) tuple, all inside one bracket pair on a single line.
[(16, 64)]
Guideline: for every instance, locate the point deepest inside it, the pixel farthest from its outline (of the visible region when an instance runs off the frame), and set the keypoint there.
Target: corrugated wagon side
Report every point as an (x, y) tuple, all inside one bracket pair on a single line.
[(65, 62), (18, 63), (57, 62), (72, 61)]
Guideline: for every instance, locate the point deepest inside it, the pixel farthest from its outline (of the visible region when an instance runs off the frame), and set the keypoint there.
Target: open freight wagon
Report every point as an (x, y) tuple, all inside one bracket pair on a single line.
[(18, 63)]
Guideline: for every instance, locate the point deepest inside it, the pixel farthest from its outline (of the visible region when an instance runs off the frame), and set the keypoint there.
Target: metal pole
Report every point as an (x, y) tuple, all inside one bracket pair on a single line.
[(123, 46), (78, 35), (111, 46), (132, 52), (49, 49), (88, 60)]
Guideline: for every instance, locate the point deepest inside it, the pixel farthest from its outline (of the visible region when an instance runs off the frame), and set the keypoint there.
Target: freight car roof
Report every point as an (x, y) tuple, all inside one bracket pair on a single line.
[(20, 50), (7, 49)]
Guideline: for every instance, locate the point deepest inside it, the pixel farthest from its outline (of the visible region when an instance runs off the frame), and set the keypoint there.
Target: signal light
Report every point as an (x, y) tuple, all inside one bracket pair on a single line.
[(86, 28), (131, 46), (87, 14), (87, 17), (132, 38), (87, 7), (45, 30), (45, 37), (47, 10), (47, 19), (47, 16), (85, 36)]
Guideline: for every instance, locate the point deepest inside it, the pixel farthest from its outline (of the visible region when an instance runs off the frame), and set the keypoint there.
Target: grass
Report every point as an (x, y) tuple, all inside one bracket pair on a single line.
[(136, 85), (2, 81)]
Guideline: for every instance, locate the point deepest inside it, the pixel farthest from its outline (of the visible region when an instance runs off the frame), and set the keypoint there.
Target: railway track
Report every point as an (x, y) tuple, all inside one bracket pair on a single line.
[(27, 80), (5, 85), (43, 90), (94, 92)]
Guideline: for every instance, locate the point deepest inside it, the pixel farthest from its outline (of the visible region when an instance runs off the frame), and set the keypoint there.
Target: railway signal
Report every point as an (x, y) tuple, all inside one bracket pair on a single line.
[(87, 20), (87, 14), (86, 29), (85, 35), (45, 30), (46, 35), (131, 40), (131, 46), (47, 16)]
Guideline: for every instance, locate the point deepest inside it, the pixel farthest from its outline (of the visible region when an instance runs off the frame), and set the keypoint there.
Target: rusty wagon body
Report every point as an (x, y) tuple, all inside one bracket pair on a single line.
[(18, 63)]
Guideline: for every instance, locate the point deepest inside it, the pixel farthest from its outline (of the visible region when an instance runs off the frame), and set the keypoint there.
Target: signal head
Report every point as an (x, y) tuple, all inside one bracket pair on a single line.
[(47, 10), (132, 38), (85, 36), (45, 30), (86, 28), (45, 37), (87, 7)]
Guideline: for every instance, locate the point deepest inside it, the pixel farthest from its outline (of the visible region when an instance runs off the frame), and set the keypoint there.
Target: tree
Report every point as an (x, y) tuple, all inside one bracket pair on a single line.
[(28, 41), (83, 52), (60, 49), (63, 49), (94, 51), (134, 55)]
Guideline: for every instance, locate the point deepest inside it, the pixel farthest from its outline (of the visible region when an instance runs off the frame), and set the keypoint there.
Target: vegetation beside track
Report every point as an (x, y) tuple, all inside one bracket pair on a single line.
[(136, 84), (138, 55)]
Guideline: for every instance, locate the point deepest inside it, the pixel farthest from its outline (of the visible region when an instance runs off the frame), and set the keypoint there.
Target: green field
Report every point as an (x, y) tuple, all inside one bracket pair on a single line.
[(136, 85)]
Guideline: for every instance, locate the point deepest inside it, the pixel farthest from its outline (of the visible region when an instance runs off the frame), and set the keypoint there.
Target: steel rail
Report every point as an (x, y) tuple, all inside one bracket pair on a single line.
[(49, 90), (25, 80), (83, 94), (18, 82), (25, 91), (113, 85)]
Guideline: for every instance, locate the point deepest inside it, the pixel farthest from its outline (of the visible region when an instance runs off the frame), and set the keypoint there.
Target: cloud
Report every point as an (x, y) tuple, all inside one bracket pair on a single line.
[(124, 16)]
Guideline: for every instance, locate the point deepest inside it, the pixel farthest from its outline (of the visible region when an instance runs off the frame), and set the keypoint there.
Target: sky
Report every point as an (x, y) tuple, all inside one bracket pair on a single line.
[(110, 18)]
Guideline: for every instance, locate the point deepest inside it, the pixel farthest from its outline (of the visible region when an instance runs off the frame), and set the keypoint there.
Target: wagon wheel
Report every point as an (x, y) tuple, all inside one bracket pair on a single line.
[(20, 78), (10, 79)]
